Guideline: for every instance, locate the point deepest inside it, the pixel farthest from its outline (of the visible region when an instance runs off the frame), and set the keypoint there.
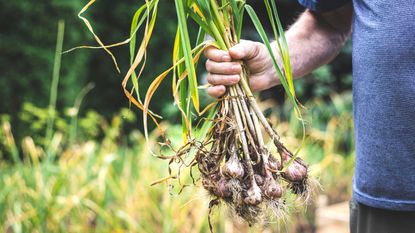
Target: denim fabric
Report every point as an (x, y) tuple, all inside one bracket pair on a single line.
[(383, 102)]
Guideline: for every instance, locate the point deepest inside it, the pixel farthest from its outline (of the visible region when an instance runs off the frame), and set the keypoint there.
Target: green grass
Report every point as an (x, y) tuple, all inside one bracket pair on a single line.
[(103, 185), (86, 175)]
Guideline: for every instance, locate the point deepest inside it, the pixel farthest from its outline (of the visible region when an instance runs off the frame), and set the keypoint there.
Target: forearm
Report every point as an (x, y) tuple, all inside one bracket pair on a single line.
[(313, 41)]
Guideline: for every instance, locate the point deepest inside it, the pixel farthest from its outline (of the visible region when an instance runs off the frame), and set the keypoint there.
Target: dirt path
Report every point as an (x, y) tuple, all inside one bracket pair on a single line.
[(333, 218)]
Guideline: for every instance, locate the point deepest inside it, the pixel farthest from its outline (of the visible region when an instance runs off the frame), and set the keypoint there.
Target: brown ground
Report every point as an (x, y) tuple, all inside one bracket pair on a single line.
[(333, 218)]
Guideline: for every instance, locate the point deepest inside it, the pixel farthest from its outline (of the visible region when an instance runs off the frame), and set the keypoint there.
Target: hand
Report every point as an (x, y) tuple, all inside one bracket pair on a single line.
[(224, 69)]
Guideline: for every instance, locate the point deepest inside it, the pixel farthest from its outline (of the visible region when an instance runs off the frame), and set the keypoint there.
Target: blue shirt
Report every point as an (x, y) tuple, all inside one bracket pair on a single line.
[(383, 100)]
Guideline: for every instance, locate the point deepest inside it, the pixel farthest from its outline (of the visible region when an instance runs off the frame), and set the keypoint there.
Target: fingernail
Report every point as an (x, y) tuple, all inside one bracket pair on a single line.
[(226, 57)]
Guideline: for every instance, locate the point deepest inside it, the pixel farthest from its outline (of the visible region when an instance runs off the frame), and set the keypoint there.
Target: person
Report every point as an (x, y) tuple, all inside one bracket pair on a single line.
[(383, 60)]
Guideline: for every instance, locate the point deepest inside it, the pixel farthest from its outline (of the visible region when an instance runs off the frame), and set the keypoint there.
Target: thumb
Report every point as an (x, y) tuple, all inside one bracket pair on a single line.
[(245, 50)]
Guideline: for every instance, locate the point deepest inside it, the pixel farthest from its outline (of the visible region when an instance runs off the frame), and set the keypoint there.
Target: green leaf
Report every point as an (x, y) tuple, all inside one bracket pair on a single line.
[(283, 46), (199, 21), (218, 20), (205, 8), (182, 97), (285, 83), (236, 16), (241, 13), (207, 124), (134, 26), (271, 18), (187, 52), (267, 44), (200, 38), (225, 12)]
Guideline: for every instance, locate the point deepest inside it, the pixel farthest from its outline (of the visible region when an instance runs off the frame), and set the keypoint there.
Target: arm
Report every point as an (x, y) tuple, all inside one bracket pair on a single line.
[(314, 40)]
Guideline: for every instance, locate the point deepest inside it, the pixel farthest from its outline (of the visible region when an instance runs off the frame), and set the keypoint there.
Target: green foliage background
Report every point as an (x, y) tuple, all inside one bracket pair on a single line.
[(100, 180), (28, 35)]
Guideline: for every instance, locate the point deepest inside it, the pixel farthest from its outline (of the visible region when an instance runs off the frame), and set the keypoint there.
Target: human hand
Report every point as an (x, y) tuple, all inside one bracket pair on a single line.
[(224, 69)]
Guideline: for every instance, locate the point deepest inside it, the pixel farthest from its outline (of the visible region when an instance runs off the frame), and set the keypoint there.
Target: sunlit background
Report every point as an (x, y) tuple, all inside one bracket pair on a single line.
[(91, 171)]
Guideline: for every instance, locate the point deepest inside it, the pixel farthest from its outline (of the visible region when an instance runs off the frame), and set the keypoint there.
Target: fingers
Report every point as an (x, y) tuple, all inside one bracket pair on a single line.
[(215, 79), (216, 91), (245, 50), (225, 68), (223, 71), (217, 55)]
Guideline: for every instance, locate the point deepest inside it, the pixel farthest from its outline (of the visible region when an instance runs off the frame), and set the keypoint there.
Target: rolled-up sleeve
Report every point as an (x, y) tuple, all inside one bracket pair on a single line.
[(323, 5)]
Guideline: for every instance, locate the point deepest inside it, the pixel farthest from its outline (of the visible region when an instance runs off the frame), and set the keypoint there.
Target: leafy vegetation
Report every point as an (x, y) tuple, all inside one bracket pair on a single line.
[(93, 172), (102, 184), (31, 40)]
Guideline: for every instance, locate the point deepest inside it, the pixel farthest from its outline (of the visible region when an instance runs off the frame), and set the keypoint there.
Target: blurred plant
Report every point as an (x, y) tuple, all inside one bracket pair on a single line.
[(75, 128), (30, 40), (34, 31), (36, 120), (55, 80), (103, 184), (99, 179)]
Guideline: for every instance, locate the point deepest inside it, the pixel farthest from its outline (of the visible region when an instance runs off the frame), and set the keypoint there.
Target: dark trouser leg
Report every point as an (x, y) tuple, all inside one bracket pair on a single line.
[(353, 206), (365, 219)]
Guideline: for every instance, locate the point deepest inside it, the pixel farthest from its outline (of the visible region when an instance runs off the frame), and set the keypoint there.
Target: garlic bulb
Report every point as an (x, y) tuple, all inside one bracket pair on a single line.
[(253, 195), (233, 167), (272, 189)]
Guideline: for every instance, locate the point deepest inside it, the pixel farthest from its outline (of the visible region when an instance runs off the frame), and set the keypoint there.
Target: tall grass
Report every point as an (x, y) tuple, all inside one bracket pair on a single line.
[(105, 185), (55, 81)]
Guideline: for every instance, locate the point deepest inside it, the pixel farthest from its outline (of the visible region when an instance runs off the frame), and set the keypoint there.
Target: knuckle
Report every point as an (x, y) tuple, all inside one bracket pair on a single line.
[(211, 79), (255, 49), (216, 52), (236, 68)]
